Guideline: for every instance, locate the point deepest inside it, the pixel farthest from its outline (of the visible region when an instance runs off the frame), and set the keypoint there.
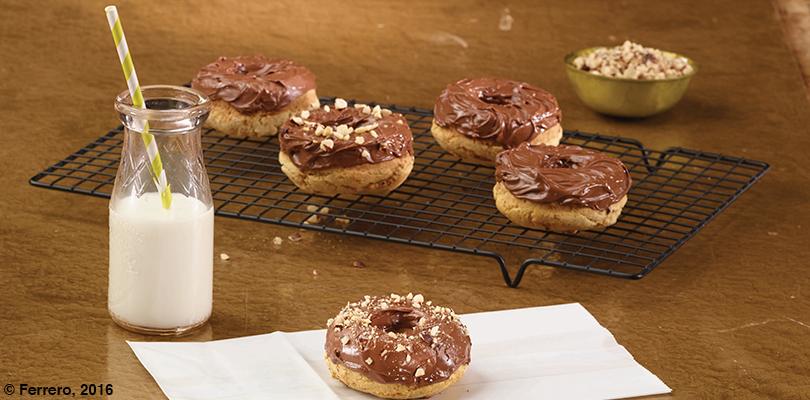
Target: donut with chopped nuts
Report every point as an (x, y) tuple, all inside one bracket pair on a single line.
[(397, 347), (342, 149), (560, 188), (475, 119), (252, 96)]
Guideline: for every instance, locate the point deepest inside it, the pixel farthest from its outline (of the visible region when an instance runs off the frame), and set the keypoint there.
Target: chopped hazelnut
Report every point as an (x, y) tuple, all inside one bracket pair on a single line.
[(224, 257), (305, 114), (340, 104), (359, 140), (419, 372), (327, 144)]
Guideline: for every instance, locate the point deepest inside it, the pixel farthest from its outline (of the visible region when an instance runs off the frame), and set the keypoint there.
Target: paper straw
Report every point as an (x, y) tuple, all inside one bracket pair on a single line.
[(158, 173)]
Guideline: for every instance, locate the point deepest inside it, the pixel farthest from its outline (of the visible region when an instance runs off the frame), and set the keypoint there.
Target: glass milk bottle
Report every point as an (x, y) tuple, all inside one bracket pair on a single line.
[(161, 260)]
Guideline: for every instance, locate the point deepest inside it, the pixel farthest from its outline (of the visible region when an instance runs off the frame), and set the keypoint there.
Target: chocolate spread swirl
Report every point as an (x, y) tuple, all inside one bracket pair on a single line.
[(499, 110), (254, 83), (567, 175), (383, 136), (398, 339)]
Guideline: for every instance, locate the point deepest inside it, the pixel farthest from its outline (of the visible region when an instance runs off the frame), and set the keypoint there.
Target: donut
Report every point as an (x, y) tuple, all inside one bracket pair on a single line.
[(397, 347), (475, 119), (338, 149), (251, 96), (560, 188)]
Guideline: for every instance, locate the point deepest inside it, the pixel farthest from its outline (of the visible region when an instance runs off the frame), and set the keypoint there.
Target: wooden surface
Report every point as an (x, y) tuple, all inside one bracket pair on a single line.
[(727, 316)]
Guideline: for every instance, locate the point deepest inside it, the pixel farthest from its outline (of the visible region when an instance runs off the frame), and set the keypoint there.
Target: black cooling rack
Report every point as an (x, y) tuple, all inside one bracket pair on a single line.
[(447, 204)]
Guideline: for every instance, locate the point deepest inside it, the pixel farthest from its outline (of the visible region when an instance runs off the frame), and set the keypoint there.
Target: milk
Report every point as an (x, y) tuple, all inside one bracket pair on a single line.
[(161, 262)]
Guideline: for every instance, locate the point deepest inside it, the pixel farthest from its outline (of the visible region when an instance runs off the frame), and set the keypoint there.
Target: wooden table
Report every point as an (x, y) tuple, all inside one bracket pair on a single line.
[(727, 316)]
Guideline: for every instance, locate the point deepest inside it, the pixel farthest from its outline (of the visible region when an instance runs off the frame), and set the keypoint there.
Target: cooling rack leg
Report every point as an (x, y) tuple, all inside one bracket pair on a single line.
[(504, 272), (521, 271)]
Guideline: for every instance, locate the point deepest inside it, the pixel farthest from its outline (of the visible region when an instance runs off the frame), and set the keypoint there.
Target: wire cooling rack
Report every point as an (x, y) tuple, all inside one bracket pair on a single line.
[(447, 204)]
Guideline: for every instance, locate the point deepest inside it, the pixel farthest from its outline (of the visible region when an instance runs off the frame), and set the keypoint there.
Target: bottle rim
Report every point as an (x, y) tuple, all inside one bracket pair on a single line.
[(198, 104)]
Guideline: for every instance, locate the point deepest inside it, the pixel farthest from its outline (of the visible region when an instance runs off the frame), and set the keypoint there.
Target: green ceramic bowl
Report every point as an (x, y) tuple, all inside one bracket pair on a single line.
[(623, 97)]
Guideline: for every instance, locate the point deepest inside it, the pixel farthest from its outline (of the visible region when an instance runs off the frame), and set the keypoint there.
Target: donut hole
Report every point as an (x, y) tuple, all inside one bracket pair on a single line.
[(499, 95), (562, 162), (397, 321), (496, 98)]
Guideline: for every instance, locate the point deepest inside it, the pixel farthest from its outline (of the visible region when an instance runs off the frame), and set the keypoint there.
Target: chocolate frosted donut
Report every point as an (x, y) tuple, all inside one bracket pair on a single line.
[(477, 118), (346, 150), (253, 95), (562, 188), (397, 346)]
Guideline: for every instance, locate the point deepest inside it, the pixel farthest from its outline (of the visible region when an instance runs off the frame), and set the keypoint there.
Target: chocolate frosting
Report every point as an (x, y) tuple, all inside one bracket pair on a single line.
[(567, 175), (398, 339), (254, 83), (383, 136), (504, 111)]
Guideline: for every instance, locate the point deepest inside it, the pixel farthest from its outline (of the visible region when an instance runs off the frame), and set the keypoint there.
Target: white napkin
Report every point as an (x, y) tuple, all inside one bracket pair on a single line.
[(554, 352)]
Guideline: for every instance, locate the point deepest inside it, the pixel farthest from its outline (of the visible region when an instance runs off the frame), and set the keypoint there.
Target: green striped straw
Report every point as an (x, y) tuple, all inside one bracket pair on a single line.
[(158, 173)]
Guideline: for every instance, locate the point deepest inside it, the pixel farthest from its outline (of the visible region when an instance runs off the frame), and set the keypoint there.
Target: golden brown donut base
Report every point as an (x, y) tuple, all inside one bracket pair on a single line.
[(228, 120), (380, 178), (483, 151), (361, 383), (553, 217)]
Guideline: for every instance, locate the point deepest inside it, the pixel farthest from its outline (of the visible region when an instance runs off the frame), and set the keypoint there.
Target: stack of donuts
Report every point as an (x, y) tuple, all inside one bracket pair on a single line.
[(339, 148)]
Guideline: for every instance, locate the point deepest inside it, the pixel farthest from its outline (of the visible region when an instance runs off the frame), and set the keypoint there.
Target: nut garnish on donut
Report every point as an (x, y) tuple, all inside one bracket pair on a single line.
[(346, 150), (396, 346)]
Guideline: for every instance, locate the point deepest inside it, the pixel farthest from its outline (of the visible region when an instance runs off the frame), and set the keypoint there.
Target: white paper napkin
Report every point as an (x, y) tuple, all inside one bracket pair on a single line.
[(554, 352)]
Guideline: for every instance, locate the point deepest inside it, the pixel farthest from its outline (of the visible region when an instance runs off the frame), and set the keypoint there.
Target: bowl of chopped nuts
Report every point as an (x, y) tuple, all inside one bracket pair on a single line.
[(629, 80)]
